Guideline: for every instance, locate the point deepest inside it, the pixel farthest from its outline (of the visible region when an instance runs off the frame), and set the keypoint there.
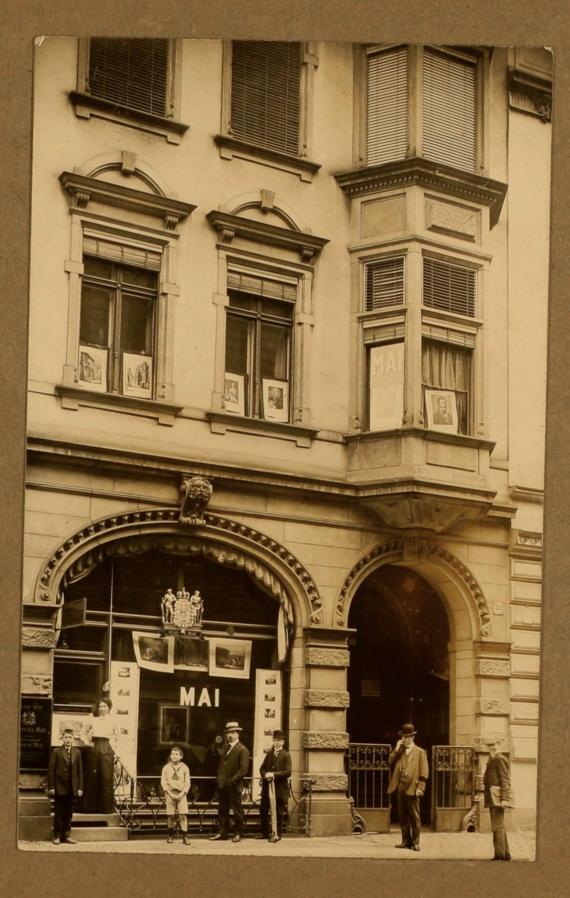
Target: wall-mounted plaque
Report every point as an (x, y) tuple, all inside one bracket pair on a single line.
[(35, 725)]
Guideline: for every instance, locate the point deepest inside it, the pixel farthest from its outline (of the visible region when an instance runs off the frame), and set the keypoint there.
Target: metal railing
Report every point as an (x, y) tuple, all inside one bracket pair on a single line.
[(369, 775), (453, 769)]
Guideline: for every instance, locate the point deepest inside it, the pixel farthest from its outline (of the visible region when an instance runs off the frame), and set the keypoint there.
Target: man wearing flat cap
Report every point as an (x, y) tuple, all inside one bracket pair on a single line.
[(65, 783), (408, 781), (234, 766), (498, 796), (276, 767)]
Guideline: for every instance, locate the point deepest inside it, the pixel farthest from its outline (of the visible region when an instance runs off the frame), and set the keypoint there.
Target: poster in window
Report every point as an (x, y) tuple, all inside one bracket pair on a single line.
[(230, 658), (125, 684), (92, 368), (275, 399), (137, 375), (441, 407), (154, 652), (80, 722), (386, 394), (234, 397)]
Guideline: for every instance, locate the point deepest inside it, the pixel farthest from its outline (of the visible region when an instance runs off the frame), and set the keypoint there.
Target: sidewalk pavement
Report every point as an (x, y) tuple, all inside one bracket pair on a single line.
[(434, 846)]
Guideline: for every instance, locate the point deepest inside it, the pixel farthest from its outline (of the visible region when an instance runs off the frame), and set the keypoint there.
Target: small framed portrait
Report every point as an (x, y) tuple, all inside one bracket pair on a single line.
[(441, 408), (137, 375), (275, 399), (230, 658), (92, 368), (173, 723), (234, 395)]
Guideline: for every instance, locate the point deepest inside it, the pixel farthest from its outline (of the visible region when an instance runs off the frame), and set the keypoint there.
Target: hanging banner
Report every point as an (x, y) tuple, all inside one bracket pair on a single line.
[(154, 652), (124, 685), (268, 713)]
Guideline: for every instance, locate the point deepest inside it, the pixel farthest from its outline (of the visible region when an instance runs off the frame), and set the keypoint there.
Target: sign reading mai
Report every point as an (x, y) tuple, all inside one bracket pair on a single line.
[(188, 697)]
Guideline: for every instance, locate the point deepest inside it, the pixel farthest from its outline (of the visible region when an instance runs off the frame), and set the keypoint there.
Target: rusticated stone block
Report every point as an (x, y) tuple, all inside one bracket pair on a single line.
[(36, 684), (34, 638), (326, 698), (32, 782), (492, 706), (493, 667), (317, 656), (327, 782), (326, 741)]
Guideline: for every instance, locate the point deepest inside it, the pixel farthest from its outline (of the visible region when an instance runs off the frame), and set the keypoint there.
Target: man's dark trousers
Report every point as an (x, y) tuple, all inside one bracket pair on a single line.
[(229, 799), (409, 817)]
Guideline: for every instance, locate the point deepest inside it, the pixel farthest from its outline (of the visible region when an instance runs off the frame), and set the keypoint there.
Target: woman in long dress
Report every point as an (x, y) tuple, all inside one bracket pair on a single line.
[(98, 796)]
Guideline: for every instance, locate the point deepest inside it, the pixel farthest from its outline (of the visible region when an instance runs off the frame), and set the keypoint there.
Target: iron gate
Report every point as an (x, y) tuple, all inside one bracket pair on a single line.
[(453, 787), (368, 779)]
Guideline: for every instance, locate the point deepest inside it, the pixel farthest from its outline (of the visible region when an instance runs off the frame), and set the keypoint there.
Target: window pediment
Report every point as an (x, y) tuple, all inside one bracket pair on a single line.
[(230, 226)]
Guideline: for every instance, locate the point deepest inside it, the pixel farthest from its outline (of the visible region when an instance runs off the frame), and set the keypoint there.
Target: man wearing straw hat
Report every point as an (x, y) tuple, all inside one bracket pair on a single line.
[(408, 780), (234, 766)]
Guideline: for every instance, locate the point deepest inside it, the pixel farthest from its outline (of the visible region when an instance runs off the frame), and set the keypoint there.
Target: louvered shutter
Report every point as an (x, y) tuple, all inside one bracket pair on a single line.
[(257, 286), (384, 284), (450, 110), (266, 94), (387, 106), (120, 252), (130, 72), (450, 288)]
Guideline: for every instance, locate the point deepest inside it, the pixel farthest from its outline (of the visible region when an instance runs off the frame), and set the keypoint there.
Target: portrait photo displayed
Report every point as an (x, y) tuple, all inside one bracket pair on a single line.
[(234, 398), (275, 399), (137, 375), (230, 658), (92, 368), (441, 408)]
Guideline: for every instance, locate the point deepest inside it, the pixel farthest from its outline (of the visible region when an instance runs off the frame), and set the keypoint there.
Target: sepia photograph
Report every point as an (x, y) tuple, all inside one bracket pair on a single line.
[(362, 231)]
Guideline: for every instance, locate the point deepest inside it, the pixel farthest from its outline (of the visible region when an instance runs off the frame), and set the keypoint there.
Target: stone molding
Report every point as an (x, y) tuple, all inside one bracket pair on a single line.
[(325, 741), (37, 684), (317, 656), (150, 527), (229, 226), (493, 667), (327, 782), (498, 707), (420, 550), (326, 698), (33, 638), (32, 782)]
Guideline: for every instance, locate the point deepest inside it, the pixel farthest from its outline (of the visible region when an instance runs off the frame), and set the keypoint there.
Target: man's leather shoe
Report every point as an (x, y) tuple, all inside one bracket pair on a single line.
[(236, 838), (403, 845), (274, 838), (185, 840), (68, 841), (218, 838), (415, 847), (56, 840)]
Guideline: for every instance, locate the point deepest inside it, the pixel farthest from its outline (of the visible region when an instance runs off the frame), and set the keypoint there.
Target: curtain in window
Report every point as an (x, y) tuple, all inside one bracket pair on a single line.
[(448, 368)]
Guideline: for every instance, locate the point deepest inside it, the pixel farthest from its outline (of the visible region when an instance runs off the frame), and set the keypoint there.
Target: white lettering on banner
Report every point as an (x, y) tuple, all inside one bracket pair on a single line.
[(188, 697)]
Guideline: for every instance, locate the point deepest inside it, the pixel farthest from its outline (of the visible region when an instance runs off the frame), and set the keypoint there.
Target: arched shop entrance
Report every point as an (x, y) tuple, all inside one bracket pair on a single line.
[(399, 662), (187, 692)]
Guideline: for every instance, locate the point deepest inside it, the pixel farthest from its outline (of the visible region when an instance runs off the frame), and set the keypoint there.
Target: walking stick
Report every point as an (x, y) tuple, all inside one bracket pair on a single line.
[(273, 810)]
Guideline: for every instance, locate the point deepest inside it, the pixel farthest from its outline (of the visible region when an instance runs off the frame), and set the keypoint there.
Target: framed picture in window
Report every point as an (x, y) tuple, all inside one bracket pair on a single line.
[(92, 368), (234, 396), (173, 723), (441, 408), (137, 375), (275, 399), (230, 658)]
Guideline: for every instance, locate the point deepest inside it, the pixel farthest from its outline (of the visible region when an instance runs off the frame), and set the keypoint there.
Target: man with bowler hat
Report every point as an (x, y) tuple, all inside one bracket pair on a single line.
[(408, 781), (498, 796), (65, 782), (276, 766), (234, 766)]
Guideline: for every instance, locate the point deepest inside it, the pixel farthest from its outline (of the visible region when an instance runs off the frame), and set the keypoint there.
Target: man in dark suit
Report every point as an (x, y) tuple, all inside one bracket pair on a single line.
[(276, 766), (65, 783), (497, 797), (234, 766), (408, 780)]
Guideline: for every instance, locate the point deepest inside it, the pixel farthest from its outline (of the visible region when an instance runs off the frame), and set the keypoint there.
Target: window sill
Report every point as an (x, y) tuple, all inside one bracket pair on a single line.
[(423, 433), (444, 178), (230, 147), (73, 397), (220, 422), (86, 105)]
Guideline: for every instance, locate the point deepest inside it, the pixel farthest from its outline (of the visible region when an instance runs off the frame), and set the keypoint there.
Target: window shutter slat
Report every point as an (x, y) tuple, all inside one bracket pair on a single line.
[(450, 110), (266, 94), (450, 288), (387, 106), (131, 72), (119, 252), (384, 284), (257, 286)]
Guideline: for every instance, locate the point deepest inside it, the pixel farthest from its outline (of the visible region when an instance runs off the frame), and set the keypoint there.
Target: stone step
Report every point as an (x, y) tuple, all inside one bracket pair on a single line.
[(33, 805), (99, 833), (34, 829), (95, 820)]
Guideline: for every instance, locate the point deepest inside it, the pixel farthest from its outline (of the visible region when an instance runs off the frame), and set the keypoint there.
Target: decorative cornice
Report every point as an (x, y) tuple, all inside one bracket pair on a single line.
[(530, 94), (229, 226), (421, 550), (85, 104), (230, 146), (326, 698), (527, 494), (146, 528), (83, 190), (424, 173), (325, 740), (526, 544)]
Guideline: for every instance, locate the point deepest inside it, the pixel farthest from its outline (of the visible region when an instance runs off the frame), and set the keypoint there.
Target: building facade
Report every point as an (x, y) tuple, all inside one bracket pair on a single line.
[(287, 347)]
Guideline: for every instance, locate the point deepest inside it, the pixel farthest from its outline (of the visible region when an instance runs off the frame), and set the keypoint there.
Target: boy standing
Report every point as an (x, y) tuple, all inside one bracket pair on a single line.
[(65, 782), (175, 782)]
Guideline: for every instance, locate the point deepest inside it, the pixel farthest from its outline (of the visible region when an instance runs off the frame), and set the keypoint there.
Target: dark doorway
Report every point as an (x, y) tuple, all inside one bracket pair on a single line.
[(399, 663)]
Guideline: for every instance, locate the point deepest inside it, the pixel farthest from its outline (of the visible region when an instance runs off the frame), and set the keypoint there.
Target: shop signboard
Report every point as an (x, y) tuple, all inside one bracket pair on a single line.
[(35, 726)]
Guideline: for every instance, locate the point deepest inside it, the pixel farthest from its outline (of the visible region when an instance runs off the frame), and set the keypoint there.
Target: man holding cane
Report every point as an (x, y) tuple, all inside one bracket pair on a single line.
[(408, 780)]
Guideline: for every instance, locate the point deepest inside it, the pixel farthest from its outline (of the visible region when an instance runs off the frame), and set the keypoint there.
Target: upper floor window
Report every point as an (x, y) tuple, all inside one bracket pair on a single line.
[(422, 102), (131, 72), (117, 320), (266, 94)]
